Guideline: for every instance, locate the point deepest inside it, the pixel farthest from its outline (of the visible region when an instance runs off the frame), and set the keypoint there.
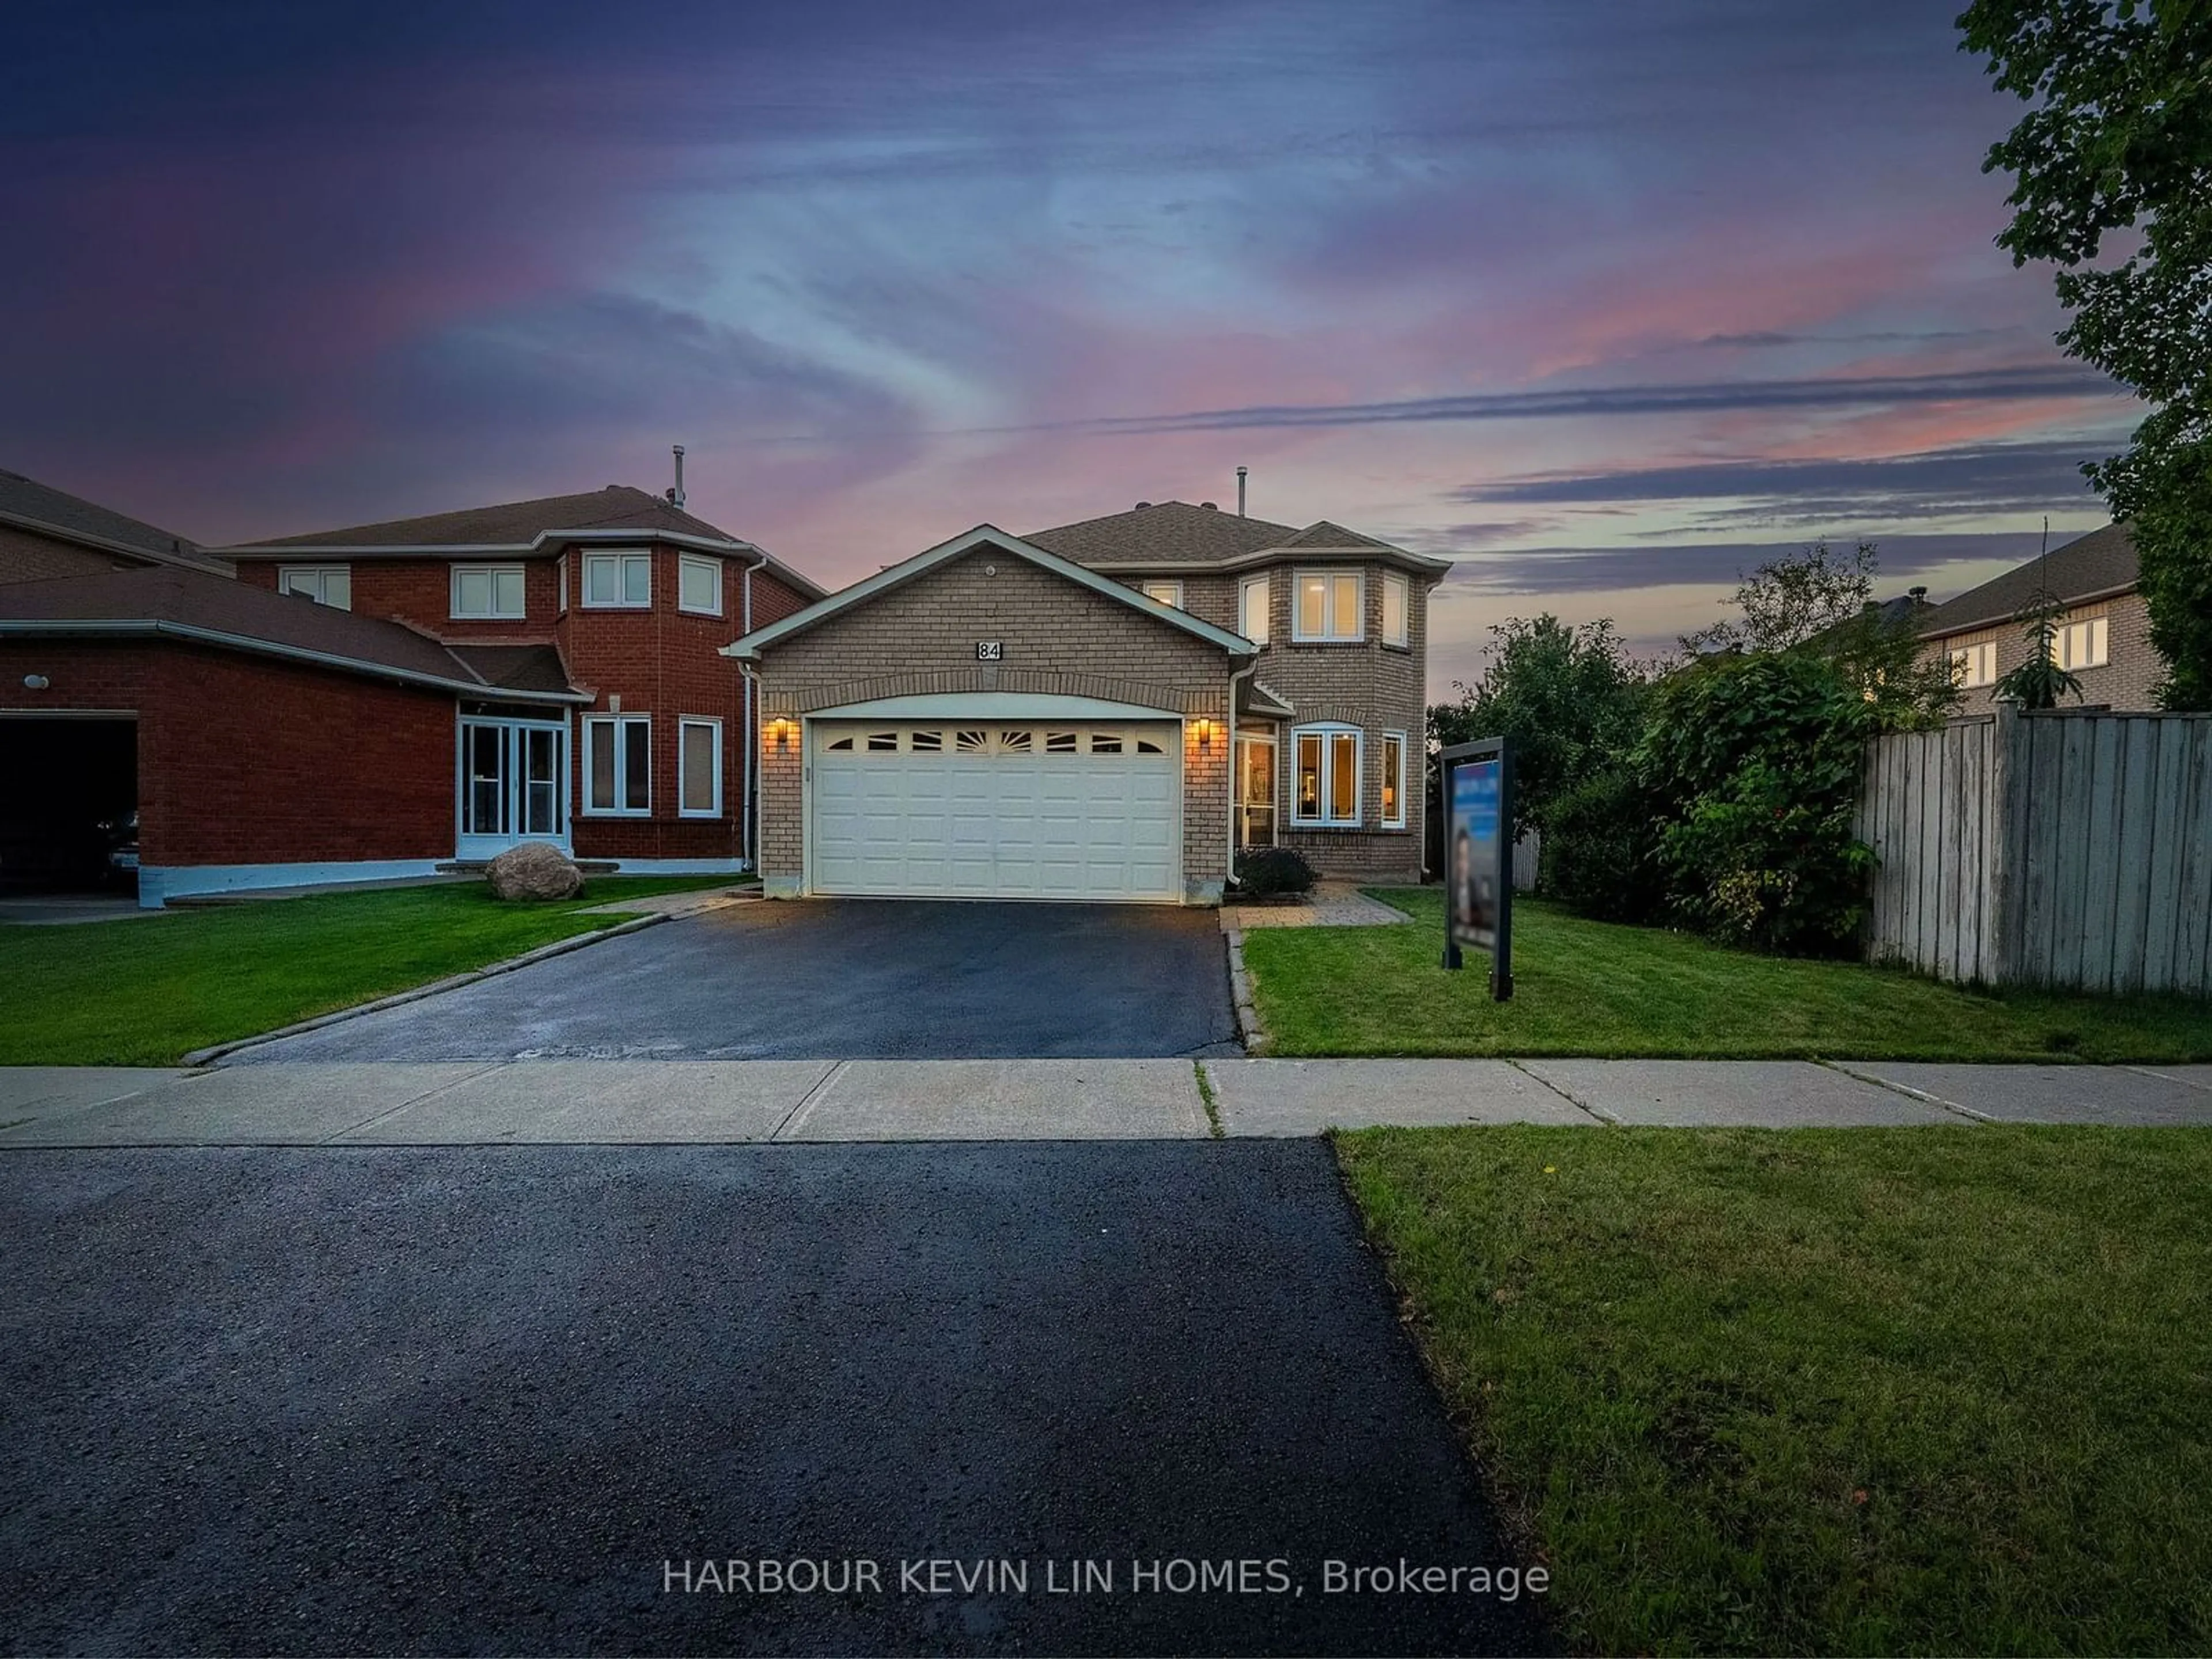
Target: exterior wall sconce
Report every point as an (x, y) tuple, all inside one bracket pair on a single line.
[(1205, 729), (36, 682), (780, 732)]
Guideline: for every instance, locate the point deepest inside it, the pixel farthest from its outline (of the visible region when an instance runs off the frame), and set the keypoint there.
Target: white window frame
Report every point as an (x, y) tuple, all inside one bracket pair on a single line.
[(621, 560), (1332, 626), (623, 727), (1387, 820), (562, 564), (1395, 586), (1173, 595), (1326, 731), (2092, 635), (491, 613), (1973, 666), (689, 563), (1265, 585), (684, 723), (318, 577)]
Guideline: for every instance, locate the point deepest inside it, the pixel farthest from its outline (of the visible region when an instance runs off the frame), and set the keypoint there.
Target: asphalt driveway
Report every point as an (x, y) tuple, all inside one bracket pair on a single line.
[(835, 979), (482, 1400)]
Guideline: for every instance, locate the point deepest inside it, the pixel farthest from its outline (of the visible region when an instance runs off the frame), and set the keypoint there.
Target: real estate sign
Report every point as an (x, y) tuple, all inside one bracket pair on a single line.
[(1478, 803)]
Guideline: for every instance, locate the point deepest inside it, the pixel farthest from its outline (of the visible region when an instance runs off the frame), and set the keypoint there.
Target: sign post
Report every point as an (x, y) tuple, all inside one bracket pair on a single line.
[(1478, 803)]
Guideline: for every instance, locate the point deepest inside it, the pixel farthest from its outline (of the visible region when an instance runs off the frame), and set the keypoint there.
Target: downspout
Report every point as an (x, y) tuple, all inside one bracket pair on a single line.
[(1229, 756), (751, 833)]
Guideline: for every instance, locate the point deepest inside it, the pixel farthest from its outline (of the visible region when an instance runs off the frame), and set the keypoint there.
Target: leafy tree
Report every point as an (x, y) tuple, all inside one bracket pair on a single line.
[(1789, 601), (2119, 142), (1568, 697), (1820, 603), (2040, 682)]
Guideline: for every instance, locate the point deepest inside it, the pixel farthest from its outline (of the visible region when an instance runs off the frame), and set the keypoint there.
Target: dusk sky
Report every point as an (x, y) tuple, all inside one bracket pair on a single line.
[(1607, 302)]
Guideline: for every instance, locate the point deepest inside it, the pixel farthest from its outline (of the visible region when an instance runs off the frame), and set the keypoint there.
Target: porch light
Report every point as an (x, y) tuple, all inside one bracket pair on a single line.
[(1205, 728), (778, 732)]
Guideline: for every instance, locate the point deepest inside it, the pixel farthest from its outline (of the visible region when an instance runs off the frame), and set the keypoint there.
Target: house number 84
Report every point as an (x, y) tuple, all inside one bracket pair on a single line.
[(989, 650)]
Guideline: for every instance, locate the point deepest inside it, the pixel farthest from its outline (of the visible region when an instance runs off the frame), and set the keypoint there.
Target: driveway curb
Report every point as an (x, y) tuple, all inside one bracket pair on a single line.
[(452, 983), (1240, 993)]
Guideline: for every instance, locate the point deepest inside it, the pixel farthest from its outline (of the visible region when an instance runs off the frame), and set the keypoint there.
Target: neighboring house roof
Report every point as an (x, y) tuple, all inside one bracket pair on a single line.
[(897, 576), (2092, 566), (210, 610), (28, 504), (1169, 535), (617, 512)]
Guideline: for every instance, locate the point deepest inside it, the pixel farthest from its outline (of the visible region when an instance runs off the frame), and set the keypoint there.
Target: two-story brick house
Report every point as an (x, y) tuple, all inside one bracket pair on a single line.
[(393, 698), (1104, 710), (2103, 635)]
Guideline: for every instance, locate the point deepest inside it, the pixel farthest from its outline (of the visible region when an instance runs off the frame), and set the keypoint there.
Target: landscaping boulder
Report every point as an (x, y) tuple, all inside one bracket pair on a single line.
[(535, 870)]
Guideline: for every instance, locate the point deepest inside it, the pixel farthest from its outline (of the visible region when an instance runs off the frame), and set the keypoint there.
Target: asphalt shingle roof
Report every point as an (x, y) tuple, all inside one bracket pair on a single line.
[(221, 604), (618, 507), (1176, 533), (26, 498), (2102, 562)]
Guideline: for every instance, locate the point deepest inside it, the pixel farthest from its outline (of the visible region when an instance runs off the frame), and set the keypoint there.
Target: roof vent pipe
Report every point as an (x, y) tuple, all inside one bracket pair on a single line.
[(676, 495), (1240, 491)]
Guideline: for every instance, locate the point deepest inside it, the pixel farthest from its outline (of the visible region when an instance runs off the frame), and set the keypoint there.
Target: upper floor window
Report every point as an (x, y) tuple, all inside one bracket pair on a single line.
[(699, 584), (1167, 592), (1329, 606), (326, 584), (2082, 644), (488, 593), (1974, 664), (1252, 596), (617, 580), (1396, 607)]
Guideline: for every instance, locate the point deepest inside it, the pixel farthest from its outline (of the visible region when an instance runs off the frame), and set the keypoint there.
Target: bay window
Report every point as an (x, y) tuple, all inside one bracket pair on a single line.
[(1396, 607), (1253, 594), (1329, 606), (618, 581), (1394, 779), (1325, 786)]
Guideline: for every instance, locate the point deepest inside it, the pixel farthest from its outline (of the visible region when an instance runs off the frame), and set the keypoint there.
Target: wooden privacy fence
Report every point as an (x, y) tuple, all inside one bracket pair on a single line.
[(2057, 848)]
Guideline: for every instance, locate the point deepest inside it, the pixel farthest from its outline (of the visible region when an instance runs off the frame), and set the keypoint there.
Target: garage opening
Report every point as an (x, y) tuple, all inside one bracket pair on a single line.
[(997, 808), (68, 806)]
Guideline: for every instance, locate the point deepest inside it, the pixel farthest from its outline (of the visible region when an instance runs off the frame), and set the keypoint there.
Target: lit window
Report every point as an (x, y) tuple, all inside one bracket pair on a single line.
[(617, 580), (1974, 664), (1165, 593), (488, 593), (2082, 644), (326, 584), (1327, 781), (1395, 610), (619, 764), (1329, 606), (1251, 597), (699, 584), (1394, 779), (699, 768)]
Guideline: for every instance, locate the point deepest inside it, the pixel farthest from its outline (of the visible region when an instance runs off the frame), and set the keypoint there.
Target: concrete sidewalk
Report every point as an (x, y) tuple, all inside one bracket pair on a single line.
[(705, 1101)]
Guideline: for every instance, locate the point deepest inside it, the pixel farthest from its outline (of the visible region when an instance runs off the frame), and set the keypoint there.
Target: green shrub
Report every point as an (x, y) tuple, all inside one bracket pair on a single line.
[(1262, 872), (1600, 852), (1762, 756)]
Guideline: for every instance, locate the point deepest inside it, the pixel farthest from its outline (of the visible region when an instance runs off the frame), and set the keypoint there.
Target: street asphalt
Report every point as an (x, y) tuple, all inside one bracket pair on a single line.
[(834, 978), (495, 1398)]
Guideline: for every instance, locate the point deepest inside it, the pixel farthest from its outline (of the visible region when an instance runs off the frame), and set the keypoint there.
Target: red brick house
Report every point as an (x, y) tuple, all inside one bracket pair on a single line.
[(385, 700)]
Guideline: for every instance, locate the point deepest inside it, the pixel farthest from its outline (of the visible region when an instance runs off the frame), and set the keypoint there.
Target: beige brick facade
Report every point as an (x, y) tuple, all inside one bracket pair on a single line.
[(2127, 681), (1376, 687), (1060, 638)]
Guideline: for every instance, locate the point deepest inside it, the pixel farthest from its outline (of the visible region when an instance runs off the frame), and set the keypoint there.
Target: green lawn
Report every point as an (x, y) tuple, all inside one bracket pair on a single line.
[(147, 992), (1827, 1391), (1592, 987)]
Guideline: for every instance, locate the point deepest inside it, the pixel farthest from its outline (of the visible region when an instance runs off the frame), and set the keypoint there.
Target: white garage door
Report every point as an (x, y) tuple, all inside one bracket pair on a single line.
[(1006, 810)]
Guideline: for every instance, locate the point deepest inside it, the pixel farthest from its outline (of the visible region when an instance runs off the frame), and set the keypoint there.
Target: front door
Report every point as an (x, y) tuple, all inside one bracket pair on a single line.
[(512, 786), (1255, 791)]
